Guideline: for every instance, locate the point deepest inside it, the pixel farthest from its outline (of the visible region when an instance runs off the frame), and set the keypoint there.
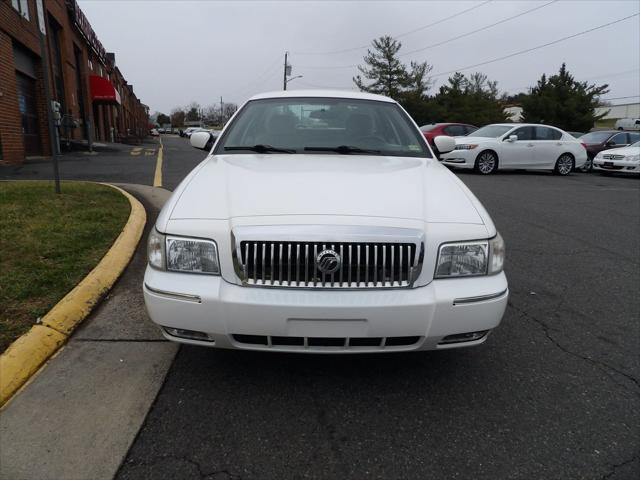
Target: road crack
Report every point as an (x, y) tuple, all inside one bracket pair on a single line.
[(598, 363), (615, 467)]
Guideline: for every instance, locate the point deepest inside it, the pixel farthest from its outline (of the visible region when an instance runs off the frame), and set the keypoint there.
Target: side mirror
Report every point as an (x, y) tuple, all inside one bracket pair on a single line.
[(444, 144), (512, 138), (200, 140)]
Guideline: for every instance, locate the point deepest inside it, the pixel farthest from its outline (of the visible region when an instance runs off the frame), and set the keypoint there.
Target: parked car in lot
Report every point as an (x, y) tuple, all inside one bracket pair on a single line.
[(576, 134), (154, 132), (628, 124), (519, 146), (190, 130), (432, 130), (161, 130), (622, 160), (349, 238), (596, 142)]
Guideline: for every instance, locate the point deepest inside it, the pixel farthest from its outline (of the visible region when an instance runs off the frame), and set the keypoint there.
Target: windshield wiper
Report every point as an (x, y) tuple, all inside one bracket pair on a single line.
[(344, 149), (260, 148)]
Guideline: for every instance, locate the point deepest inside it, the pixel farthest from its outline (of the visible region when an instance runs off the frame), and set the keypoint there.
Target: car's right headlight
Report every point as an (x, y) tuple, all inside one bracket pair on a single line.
[(468, 259), (182, 254)]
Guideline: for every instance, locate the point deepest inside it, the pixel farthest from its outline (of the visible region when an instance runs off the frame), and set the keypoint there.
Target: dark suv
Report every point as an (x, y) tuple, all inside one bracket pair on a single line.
[(600, 140)]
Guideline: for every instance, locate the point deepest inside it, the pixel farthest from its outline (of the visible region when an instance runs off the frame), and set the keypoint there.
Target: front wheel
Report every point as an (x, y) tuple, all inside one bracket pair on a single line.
[(564, 165), (486, 163)]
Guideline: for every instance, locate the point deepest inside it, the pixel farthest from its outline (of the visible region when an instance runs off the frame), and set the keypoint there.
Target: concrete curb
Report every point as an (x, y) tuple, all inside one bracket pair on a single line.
[(29, 352)]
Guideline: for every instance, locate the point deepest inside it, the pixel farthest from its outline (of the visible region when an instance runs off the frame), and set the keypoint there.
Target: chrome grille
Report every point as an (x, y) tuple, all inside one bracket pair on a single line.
[(364, 264), (611, 156)]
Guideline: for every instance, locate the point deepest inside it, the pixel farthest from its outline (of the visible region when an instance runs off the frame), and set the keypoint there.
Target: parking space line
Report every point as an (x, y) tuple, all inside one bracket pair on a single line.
[(157, 178)]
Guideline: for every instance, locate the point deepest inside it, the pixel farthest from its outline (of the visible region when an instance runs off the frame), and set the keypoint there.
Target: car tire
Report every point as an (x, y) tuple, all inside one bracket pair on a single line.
[(564, 164), (486, 163), (588, 166)]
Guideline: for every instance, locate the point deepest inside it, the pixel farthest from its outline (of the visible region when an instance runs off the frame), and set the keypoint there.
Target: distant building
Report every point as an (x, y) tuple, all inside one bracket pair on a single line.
[(94, 96), (623, 110)]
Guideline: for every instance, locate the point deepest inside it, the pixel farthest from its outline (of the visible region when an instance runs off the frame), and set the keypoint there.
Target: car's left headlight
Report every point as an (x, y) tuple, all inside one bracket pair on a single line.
[(468, 259), (183, 254), (466, 146), (634, 158)]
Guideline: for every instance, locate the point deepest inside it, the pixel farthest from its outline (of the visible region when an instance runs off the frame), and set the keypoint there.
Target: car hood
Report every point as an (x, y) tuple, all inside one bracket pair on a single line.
[(230, 186), (626, 151)]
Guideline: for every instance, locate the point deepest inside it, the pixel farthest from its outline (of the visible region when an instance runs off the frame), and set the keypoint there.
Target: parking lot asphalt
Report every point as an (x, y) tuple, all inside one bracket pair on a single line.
[(553, 394)]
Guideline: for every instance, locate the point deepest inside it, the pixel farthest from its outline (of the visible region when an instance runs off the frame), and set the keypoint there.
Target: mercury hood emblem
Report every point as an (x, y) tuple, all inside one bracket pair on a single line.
[(328, 261)]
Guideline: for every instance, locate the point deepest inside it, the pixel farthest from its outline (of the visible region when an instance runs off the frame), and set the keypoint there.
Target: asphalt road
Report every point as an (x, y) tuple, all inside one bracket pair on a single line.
[(553, 394), (117, 164)]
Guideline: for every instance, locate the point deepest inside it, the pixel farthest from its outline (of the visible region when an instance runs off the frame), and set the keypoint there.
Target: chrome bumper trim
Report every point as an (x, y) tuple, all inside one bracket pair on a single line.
[(481, 298), (174, 295)]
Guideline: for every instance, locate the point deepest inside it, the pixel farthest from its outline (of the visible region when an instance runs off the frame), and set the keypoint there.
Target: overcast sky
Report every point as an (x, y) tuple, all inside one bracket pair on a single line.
[(175, 52)]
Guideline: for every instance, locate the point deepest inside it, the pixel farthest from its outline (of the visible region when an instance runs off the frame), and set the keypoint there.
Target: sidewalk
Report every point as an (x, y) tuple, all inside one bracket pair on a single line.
[(78, 416)]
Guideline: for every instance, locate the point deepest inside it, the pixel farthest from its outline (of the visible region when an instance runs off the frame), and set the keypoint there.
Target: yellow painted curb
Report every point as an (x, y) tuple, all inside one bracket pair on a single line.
[(157, 177), (24, 356)]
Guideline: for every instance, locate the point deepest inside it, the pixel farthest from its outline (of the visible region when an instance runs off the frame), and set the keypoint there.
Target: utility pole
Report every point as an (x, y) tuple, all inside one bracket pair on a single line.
[(221, 113), (53, 137), (284, 76)]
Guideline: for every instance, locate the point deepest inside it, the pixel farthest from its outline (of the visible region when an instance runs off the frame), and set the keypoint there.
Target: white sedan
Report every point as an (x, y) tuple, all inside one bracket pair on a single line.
[(623, 160), (517, 146), (348, 237)]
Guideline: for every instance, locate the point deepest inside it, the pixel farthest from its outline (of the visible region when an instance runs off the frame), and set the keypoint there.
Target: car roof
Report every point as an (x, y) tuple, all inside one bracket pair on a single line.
[(525, 125), (323, 94)]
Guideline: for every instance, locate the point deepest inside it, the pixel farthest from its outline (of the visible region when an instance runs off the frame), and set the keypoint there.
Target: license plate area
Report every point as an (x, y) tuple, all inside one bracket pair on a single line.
[(311, 327)]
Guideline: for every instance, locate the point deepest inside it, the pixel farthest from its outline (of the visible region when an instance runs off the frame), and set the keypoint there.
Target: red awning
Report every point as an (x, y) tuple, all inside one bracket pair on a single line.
[(103, 91)]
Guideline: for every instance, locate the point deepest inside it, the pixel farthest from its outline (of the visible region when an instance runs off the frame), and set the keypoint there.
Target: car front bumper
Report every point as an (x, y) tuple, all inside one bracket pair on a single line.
[(622, 166), (324, 321), (460, 158)]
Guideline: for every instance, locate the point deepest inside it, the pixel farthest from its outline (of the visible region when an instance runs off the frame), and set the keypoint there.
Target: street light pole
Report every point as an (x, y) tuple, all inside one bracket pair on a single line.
[(293, 78)]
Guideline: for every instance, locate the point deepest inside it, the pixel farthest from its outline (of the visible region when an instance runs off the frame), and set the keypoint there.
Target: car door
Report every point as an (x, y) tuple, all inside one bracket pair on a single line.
[(548, 146), (517, 154)]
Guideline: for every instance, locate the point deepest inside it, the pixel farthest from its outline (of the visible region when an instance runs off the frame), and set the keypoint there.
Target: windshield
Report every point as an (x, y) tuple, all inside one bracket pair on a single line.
[(595, 137), (637, 144), (322, 126), (491, 131)]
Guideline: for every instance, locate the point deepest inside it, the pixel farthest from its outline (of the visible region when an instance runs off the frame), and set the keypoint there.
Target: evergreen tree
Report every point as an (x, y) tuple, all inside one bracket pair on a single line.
[(389, 76), (563, 102)]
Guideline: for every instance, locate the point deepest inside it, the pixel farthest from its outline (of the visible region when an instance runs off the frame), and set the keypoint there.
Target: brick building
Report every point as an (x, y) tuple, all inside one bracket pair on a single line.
[(95, 98)]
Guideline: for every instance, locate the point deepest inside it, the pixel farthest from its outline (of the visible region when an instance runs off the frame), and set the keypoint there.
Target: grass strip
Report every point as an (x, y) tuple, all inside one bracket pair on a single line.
[(48, 243)]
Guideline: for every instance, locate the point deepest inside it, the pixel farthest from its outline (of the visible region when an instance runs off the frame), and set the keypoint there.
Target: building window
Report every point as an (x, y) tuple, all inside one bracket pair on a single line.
[(22, 6), (90, 63)]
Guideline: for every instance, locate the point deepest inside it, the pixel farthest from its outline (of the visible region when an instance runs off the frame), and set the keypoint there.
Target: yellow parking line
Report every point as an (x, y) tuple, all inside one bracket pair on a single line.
[(157, 178)]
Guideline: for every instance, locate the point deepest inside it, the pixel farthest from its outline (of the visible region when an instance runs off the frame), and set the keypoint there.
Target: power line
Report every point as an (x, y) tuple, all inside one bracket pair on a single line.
[(478, 30), (621, 98), (424, 27), (527, 50), (438, 44), (593, 77)]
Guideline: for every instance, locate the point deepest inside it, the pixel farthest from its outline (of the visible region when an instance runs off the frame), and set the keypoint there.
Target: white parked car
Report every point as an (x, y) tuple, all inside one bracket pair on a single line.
[(623, 160), (348, 238), (628, 124), (519, 146)]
